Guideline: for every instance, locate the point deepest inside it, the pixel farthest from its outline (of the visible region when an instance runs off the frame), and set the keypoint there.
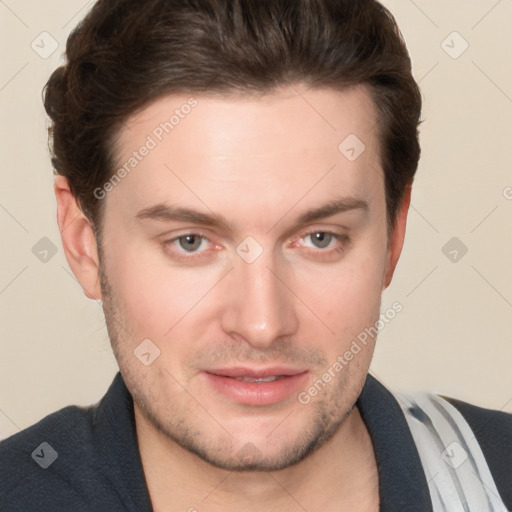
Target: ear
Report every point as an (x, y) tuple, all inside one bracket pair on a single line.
[(77, 239), (396, 241)]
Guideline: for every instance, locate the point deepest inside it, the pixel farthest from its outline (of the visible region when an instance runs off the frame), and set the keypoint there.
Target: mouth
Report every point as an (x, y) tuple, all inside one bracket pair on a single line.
[(270, 378), (256, 386)]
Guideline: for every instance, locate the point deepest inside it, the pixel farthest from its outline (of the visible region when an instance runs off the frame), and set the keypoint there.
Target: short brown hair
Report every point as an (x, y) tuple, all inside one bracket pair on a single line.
[(127, 53)]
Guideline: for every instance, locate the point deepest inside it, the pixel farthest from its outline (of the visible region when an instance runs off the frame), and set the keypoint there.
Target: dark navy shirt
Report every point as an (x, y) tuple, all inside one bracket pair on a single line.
[(86, 459)]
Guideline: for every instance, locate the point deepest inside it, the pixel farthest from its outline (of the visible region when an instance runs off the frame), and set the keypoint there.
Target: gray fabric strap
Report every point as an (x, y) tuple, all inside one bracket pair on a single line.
[(458, 477)]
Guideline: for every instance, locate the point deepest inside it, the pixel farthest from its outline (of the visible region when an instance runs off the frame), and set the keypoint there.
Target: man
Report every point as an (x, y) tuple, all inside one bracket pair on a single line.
[(233, 183)]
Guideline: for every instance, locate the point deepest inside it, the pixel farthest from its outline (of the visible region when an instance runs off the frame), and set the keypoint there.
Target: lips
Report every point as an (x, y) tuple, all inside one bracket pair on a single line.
[(256, 373), (256, 386)]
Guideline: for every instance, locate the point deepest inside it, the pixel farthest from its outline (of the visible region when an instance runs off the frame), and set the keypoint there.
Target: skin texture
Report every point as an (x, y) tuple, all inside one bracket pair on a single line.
[(260, 162)]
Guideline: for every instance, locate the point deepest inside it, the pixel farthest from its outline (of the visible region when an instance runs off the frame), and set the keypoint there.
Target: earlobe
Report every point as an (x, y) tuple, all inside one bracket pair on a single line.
[(397, 238), (78, 239)]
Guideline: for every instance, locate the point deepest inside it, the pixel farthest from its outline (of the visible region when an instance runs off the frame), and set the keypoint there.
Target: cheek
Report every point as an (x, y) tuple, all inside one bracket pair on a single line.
[(349, 288), (347, 297), (153, 294)]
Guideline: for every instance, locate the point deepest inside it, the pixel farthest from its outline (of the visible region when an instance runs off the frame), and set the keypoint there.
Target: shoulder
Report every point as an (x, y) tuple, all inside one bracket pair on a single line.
[(78, 459), (493, 431), (38, 463)]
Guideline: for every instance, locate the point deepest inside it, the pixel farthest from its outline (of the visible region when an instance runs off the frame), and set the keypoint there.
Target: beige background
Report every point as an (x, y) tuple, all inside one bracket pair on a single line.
[(454, 333)]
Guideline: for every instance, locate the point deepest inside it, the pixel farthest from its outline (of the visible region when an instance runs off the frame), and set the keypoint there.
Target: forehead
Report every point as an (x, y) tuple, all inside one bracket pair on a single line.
[(249, 151)]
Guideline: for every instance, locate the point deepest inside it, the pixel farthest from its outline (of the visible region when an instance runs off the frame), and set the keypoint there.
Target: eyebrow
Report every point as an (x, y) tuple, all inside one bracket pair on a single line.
[(166, 213), (339, 205)]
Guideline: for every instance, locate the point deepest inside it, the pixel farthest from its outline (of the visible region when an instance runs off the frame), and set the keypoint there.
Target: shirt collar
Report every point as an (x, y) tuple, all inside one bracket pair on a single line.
[(114, 423), (402, 482)]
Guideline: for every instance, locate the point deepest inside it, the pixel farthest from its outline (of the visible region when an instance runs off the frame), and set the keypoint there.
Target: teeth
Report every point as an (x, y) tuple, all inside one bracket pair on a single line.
[(263, 379)]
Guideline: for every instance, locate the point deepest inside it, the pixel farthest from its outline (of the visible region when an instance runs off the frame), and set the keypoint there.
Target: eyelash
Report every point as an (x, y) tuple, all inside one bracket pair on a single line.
[(343, 242)]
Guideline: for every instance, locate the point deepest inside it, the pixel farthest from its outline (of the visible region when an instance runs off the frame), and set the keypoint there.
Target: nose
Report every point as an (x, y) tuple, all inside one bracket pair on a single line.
[(260, 308)]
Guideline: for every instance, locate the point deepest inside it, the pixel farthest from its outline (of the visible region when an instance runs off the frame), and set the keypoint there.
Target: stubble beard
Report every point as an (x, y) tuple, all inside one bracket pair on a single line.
[(328, 415)]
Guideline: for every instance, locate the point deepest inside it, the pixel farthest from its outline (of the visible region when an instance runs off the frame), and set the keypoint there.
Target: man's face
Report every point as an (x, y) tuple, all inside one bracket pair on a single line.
[(273, 293)]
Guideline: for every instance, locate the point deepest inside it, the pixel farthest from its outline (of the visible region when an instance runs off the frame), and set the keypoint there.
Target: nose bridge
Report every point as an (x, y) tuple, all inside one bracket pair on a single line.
[(261, 308)]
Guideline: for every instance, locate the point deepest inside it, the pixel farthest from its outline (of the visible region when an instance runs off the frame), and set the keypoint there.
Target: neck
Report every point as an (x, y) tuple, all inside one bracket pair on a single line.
[(340, 475)]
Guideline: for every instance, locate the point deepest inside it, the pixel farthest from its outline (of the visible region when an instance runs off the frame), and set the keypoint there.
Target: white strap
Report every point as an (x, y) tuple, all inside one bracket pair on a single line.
[(457, 473)]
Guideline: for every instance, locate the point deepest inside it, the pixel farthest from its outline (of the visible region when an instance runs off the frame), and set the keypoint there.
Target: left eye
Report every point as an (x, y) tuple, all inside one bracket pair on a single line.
[(190, 242), (321, 239)]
